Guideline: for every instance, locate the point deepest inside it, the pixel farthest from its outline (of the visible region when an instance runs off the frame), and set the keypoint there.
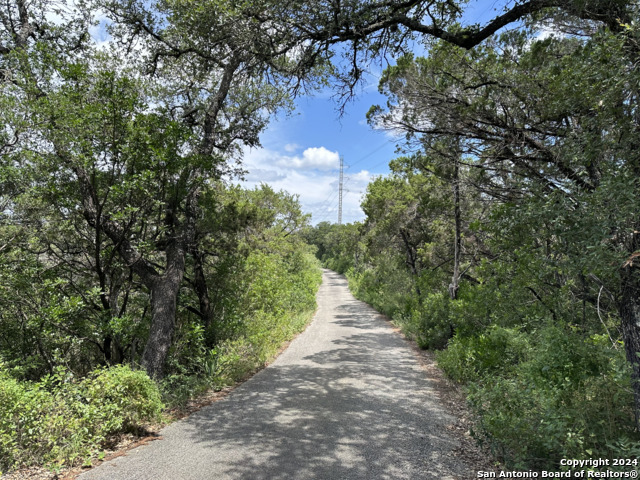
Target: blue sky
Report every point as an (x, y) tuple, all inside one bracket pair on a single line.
[(301, 152)]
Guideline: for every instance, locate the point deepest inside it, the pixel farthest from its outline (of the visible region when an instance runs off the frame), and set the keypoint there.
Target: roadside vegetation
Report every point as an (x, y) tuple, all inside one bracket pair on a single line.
[(134, 274), (506, 237), (61, 401)]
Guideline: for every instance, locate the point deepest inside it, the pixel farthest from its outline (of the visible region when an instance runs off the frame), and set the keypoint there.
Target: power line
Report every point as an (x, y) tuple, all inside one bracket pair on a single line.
[(380, 163), (324, 215), (380, 147), (326, 203), (324, 209)]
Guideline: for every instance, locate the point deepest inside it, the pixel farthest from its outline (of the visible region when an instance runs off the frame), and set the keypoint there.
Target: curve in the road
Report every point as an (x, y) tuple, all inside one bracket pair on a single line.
[(347, 400)]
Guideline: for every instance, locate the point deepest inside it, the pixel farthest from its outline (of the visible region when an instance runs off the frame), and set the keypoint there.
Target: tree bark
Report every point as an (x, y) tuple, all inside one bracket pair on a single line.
[(202, 290), (455, 280), (630, 318), (164, 297)]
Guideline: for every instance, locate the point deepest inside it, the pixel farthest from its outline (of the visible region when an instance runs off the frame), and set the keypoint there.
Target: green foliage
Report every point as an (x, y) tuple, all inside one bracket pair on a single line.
[(273, 300), (545, 138), (232, 361), (178, 388), (386, 287), (430, 323), (567, 396), (279, 302), (126, 397), (337, 246), (275, 309), (61, 420), (496, 351)]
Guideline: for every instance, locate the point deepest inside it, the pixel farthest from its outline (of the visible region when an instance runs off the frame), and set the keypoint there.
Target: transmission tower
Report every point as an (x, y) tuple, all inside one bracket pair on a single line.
[(340, 191)]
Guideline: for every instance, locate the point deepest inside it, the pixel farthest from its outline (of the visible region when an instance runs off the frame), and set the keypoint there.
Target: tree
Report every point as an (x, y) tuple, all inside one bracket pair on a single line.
[(278, 42), (133, 153), (376, 30), (545, 123)]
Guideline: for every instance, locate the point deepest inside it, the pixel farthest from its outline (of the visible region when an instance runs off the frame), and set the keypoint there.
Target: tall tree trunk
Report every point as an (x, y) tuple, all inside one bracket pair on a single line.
[(455, 280), (164, 299), (202, 288), (163, 314), (630, 317)]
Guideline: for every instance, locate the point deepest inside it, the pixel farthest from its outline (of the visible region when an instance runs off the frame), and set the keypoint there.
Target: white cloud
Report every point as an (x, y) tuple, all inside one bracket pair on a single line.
[(291, 147), (310, 177), (312, 158), (260, 175), (98, 30), (360, 179)]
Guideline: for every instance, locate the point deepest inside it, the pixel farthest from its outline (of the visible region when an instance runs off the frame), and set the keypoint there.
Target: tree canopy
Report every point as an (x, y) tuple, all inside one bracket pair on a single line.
[(511, 220)]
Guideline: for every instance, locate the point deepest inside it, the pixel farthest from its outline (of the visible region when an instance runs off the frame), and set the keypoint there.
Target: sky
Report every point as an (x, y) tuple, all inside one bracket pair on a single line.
[(301, 152)]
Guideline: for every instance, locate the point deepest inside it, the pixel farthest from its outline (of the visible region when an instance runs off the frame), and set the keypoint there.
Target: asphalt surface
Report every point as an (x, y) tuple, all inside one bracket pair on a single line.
[(347, 400)]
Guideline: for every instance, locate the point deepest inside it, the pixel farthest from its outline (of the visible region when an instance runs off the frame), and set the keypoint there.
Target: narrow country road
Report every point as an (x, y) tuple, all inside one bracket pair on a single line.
[(347, 400)]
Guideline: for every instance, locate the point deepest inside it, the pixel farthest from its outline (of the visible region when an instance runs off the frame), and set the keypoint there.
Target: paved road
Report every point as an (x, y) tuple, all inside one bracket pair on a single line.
[(347, 400)]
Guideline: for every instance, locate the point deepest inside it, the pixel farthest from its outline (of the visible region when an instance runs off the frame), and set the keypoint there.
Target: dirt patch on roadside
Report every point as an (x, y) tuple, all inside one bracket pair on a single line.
[(453, 399)]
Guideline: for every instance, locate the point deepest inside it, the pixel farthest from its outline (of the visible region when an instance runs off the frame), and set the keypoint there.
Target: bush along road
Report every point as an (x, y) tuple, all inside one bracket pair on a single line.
[(347, 399)]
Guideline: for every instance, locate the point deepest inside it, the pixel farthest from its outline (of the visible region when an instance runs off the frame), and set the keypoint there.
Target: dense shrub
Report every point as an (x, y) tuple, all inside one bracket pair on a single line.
[(274, 301), (429, 323), (60, 420), (545, 395), (495, 351), (280, 301), (120, 398), (386, 287)]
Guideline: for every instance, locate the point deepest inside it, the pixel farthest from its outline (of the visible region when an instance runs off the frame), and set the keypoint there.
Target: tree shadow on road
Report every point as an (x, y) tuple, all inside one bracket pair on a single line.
[(357, 407), (362, 410)]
